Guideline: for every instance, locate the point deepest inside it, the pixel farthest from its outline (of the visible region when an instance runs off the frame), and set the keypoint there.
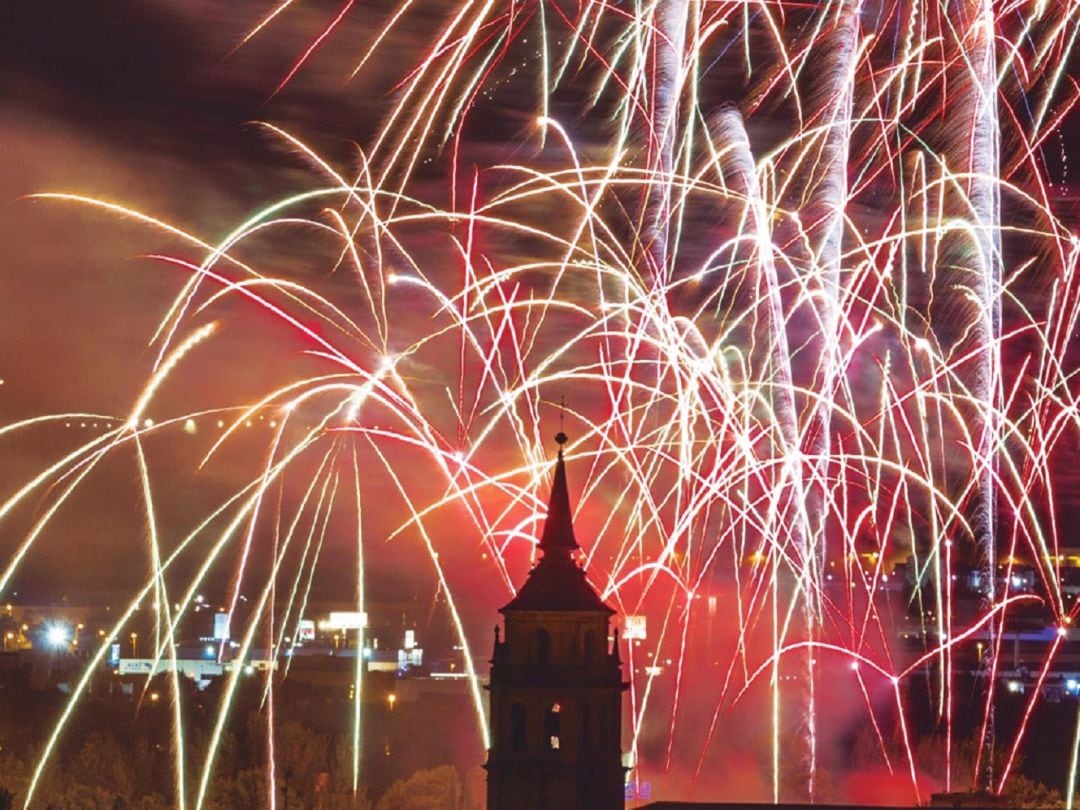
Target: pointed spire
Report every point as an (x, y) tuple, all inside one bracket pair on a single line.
[(559, 528), (557, 582)]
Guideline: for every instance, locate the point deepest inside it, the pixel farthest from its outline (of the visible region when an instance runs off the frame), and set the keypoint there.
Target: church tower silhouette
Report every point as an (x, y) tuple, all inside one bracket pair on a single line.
[(556, 686)]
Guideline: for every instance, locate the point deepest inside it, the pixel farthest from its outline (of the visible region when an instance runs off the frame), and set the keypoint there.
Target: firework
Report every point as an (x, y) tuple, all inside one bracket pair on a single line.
[(782, 325)]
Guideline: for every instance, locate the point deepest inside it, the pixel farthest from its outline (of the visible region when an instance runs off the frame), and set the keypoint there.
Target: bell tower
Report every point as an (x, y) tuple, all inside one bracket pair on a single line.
[(556, 686)]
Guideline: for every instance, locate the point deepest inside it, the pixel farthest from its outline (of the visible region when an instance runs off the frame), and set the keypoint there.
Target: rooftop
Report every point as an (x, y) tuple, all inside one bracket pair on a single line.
[(557, 582)]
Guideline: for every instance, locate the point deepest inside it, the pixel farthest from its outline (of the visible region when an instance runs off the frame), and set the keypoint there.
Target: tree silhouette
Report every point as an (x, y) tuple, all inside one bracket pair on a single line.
[(436, 789)]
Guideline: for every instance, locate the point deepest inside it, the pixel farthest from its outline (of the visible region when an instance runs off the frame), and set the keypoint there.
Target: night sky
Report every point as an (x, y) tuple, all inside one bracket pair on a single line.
[(153, 104), (143, 104)]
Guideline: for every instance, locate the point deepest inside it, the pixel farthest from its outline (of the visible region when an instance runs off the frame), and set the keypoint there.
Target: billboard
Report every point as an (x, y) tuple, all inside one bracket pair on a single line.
[(344, 620), (306, 630), (634, 628), (136, 666), (221, 627)]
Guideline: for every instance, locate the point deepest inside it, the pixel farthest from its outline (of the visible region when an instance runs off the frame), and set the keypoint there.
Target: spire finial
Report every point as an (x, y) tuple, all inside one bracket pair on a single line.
[(558, 534), (560, 437)]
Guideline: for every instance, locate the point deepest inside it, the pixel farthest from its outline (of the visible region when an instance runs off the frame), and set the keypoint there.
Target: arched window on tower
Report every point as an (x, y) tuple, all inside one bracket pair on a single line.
[(519, 740), (540, 649), (603, 736), (586, 727), (590, 646), (551, 727)]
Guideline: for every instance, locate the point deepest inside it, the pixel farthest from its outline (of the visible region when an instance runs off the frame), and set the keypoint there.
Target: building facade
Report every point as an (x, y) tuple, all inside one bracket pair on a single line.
[(556, 684)]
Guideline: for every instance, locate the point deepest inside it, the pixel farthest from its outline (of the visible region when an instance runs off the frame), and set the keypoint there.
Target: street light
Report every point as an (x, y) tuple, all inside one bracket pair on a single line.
[(56, 635), (134, 645)]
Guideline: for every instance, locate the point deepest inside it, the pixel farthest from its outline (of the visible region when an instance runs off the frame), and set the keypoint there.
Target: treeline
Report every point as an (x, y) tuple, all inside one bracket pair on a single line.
[(121, 755), (104, 775)]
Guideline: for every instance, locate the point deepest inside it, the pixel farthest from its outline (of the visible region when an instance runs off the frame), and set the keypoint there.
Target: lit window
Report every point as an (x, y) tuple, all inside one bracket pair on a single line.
[(551, 726)]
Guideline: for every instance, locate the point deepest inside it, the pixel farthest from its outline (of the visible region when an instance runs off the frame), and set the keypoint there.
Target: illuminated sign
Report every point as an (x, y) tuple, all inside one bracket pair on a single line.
[(345, 620), (196, 668), (135, 666), (634, 628), (306, 630), (221, 627)]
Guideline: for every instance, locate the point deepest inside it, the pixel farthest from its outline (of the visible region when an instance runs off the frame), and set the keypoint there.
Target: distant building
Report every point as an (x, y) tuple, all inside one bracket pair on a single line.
[(971, 800), (968, 801), (556, 687), (755, 806)]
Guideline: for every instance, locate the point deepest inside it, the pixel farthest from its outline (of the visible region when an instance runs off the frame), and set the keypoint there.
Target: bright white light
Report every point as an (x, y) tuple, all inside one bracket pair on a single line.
[(57, 635), (1014, 686)]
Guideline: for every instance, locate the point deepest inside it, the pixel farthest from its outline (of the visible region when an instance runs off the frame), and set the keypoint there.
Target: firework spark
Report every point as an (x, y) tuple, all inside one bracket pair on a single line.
[(800, 333)]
